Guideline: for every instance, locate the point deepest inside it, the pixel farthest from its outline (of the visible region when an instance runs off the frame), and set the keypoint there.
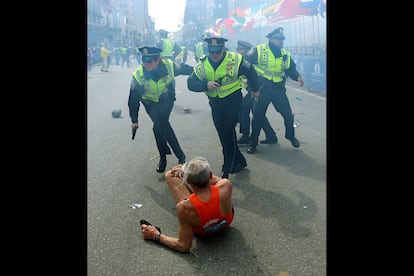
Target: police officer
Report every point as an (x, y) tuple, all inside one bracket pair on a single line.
[(170, 49), (200, 49), (247, 105), (218, 75), (125, 56), (153, 85), (273, 64)]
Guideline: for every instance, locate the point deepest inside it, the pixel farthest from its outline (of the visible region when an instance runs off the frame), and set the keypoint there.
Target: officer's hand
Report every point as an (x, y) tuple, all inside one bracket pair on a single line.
[(212, 85), (134, 125), (301, 82)]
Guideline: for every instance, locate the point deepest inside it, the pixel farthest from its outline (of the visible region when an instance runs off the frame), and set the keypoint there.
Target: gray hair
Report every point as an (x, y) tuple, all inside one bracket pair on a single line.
[(197, 171)]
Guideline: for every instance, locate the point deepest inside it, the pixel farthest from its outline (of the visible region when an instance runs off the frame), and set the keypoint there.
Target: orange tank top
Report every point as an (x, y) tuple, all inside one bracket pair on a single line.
[(211, 220)]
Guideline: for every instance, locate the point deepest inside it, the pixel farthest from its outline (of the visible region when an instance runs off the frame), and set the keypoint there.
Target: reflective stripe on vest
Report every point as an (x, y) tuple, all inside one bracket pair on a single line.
[(152, 89), (227, 74), (270, 67)]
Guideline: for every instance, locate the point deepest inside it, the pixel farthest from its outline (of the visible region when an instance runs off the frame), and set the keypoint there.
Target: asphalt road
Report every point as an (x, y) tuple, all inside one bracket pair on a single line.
[(279, 199)]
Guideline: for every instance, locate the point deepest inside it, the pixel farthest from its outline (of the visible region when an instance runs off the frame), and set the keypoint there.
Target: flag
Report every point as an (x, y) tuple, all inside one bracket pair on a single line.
[(292, 9)]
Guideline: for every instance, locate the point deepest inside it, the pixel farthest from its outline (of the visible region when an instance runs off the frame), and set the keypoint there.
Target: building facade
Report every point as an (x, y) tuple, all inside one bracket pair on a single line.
[(118, 22)]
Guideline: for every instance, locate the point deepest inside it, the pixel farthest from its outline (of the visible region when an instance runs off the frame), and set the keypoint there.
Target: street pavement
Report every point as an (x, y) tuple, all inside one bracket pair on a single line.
[(279, 226)]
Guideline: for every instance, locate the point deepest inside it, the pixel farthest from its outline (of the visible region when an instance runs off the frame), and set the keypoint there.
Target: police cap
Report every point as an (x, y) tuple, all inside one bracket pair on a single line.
[(276, 33), (241, 44), (215, 44), (149, 53)]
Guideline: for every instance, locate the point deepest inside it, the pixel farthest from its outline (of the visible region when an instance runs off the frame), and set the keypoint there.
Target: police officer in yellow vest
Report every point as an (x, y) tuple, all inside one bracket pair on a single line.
[(218, 75), (125, 56), (170, 49), (153, 85), (247, 106), (273, 64)]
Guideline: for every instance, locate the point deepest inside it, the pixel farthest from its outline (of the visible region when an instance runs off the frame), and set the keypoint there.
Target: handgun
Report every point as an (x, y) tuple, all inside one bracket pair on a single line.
[(134, 130)]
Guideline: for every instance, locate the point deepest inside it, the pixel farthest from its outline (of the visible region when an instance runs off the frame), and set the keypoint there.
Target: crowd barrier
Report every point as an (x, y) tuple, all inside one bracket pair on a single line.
[(313, 70)]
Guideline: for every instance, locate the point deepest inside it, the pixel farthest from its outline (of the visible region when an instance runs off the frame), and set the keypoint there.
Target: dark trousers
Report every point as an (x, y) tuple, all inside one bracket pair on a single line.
[(268, 94), (244, 118), (225, 113), (163, 132)]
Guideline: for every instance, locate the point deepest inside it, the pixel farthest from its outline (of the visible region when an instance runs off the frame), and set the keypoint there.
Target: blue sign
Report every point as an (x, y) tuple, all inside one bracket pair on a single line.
[(313, 71)]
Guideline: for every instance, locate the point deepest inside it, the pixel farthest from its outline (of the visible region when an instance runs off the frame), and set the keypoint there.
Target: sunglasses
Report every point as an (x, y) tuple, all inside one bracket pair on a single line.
[(215, 50)]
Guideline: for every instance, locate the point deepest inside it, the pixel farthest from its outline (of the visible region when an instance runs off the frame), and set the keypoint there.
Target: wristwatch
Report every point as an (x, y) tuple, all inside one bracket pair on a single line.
[(157, 237)]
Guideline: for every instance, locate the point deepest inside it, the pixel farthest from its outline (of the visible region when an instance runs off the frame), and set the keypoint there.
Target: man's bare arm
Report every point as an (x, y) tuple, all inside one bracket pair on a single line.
[(185, 232)]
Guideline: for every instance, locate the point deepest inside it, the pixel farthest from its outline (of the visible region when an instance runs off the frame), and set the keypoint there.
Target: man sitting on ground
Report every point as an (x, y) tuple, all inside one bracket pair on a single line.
[(204, 204)]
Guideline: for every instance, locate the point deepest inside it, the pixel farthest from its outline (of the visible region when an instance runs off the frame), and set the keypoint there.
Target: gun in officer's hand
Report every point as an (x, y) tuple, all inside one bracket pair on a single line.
[(134, 131)]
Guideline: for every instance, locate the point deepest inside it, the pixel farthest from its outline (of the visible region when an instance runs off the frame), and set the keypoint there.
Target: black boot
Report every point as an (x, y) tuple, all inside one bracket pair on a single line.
[(181, 159), (162, 164), (224, 175), (251, 149), (295, 142)]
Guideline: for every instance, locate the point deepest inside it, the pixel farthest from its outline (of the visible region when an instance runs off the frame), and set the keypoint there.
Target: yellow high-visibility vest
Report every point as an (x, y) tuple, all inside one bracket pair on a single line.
[(227, 74), (153, 89), (269, 66)]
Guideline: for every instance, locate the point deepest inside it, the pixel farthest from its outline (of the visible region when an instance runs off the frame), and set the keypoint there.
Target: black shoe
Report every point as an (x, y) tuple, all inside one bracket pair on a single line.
[(295, 142), (243, 140), (269, 141), (240, 166), (181, 160), (224, 175), (251, 150), (161, 165)]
